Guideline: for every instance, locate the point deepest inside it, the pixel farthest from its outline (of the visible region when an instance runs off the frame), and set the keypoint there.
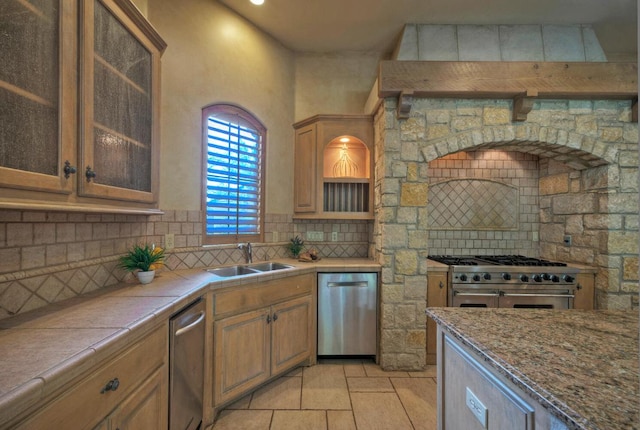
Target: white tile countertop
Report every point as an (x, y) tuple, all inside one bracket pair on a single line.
[(47, 348), (582, 366)]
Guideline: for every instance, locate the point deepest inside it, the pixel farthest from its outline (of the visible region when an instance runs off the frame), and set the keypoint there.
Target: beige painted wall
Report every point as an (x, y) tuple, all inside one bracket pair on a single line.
[(333, 83), (214, 55)]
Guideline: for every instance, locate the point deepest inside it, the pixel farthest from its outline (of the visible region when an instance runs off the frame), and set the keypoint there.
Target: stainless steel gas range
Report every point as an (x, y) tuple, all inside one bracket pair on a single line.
[(511, 281)]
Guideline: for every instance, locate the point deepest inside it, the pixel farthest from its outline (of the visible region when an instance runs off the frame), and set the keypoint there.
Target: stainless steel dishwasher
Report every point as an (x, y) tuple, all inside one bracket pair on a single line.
[(186, 361), (347, 313)]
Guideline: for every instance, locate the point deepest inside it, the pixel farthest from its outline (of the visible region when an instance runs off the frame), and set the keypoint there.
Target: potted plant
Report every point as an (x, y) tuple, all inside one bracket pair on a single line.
[(144, 260), (295, 246)]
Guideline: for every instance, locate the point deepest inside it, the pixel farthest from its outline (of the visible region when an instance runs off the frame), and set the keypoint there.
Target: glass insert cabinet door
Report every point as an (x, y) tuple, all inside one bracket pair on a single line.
[(37, 94), (119, 107)]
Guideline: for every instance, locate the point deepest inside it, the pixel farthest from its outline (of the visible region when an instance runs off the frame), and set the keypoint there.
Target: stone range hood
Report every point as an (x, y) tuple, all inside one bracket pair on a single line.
[(574, 116)]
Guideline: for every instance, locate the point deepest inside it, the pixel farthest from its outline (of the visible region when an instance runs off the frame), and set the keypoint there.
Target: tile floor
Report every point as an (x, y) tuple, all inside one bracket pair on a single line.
[(338, 395)]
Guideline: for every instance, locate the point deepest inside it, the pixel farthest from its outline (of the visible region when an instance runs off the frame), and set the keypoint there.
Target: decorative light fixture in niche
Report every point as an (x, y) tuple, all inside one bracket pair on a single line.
[(346, 157), (345, 166), (257, 2)]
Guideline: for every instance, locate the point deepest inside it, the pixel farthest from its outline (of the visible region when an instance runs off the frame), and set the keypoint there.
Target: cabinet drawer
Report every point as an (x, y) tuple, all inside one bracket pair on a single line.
[(84, 405), (263, 294)]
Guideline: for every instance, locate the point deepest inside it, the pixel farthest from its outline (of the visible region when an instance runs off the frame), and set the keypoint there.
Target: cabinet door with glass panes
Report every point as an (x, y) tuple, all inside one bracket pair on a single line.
[(38, 95), (120, 82)]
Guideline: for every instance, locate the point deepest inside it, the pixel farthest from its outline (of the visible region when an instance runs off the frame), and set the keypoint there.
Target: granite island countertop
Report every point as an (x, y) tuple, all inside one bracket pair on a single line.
[(582, 366), (42, 351)]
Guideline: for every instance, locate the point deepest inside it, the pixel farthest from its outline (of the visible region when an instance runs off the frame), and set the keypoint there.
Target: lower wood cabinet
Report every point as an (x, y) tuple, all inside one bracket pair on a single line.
[(585, 291), (253, 346), (436, 297), (261, 331), (129, 391)]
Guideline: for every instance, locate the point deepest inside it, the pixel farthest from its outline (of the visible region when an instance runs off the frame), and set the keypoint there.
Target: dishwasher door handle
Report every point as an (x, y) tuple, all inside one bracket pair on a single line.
[(191, 326), (348, 284)]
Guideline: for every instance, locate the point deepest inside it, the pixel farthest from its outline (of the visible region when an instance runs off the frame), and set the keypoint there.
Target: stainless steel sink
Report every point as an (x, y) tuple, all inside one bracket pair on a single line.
[(228, 272), (269, 266), (244, 269)]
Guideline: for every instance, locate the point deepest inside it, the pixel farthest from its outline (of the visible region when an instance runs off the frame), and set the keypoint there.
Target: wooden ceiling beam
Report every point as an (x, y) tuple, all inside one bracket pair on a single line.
[(508, 80)]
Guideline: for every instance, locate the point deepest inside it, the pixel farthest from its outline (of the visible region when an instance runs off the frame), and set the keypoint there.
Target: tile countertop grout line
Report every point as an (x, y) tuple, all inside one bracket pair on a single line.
[(35, 388), (548, 400)]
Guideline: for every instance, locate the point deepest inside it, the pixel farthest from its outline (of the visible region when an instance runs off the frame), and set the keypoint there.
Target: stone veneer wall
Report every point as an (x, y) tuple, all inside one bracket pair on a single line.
[(583, 134), (46, 257)]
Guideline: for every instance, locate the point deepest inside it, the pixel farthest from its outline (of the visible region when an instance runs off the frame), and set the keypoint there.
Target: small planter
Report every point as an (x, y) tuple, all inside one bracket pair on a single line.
[(146, 277)]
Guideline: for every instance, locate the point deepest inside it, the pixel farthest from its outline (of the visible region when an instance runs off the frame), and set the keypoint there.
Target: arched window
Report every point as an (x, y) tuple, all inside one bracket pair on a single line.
[(233, 196)]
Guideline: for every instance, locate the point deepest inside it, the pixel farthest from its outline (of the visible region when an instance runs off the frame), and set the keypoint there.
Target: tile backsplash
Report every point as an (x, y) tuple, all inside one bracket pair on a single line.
[(484, 202), (46, 257)]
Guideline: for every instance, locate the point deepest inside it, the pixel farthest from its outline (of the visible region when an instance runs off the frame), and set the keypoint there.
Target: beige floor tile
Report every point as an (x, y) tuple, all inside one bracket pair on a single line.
[(243, 419), (373, 369), (419, 398), (283, 393), (364, 385), (356, 369), (340, 420), (379, 411), (299, 420), (429, 372), (325, 387), (243, 403)]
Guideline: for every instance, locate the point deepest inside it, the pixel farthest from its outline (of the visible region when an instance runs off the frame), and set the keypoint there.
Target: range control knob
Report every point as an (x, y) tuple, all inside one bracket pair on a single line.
[(487, 276), (524, 278), (476, 278), (463, 277), (568, 278), (537, 278), (506, 276), (555, 278), (546, 276)]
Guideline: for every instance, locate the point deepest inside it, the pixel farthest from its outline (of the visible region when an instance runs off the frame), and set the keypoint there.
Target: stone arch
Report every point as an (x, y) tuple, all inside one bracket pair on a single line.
[(578, 150)]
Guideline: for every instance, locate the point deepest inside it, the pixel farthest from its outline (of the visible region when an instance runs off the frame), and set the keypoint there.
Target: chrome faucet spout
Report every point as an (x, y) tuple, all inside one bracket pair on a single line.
[(248, 252)]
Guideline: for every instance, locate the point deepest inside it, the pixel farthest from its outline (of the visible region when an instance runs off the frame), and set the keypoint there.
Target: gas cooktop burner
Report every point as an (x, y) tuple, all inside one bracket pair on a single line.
[(497, 260)]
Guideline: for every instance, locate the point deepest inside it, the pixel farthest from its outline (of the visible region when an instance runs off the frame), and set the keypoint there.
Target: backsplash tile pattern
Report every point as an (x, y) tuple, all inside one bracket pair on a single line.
[(503, 183), (46, 257)]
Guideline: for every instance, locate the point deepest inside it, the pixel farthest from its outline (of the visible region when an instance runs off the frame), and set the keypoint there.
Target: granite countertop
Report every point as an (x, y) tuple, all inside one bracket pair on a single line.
[(45, 349), (582, 366)]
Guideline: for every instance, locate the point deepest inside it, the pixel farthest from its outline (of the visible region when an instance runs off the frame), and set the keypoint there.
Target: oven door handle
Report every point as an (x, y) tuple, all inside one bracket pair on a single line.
[(564, 296), (457, 293)]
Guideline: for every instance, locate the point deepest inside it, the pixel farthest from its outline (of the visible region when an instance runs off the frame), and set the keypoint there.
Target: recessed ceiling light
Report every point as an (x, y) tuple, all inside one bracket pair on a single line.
[(257, 2), (344, 139)]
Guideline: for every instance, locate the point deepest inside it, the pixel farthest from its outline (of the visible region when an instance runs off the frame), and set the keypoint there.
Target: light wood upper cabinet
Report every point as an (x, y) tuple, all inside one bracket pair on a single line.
[(333, 176), (121, 84), (304, 186), (38, 94), (82, 84)]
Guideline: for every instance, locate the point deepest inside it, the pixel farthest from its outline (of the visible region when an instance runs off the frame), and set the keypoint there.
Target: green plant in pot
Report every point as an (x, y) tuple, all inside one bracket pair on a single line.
[(295, 246), (143, 260)]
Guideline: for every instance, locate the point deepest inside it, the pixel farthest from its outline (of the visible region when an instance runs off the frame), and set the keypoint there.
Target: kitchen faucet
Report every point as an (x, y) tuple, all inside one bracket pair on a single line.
[(248, 253)]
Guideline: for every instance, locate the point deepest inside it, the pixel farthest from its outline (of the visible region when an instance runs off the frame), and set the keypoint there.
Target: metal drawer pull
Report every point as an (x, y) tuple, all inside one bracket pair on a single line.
[(567, 296), (455, 293), (348, 284), (111, 386)]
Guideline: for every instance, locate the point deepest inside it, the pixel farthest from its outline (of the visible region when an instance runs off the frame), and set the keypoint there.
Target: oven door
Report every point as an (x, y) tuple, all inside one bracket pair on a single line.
[(470, 297), (536, 299)]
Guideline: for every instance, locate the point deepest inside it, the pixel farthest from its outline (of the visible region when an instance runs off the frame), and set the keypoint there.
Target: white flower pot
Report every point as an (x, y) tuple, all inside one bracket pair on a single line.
[(146, 277)]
